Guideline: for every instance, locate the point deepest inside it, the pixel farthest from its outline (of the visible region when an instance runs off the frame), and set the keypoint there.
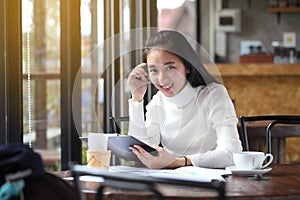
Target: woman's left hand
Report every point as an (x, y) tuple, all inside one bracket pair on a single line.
[(163, 159)]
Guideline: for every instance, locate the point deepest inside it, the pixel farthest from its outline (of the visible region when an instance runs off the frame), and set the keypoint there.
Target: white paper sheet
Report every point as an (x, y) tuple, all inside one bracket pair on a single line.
[(189, 173)]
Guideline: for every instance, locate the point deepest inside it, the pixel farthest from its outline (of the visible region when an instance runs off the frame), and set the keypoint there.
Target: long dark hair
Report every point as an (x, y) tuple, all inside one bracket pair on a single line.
[(175, 43)]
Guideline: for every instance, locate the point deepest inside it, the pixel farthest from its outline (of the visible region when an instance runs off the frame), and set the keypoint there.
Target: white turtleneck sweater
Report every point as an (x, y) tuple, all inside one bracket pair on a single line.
[(200, 123)]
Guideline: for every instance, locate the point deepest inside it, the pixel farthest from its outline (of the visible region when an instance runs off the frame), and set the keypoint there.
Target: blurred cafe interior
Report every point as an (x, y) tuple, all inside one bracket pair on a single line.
[(66, 61)]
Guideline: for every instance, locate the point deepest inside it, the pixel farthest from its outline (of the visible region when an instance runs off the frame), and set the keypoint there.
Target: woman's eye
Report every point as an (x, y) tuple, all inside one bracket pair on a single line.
[(152, 70), (170, 68)]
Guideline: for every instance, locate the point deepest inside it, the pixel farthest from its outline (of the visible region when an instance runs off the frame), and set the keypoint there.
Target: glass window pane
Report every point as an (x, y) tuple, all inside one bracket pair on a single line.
[(41, 82), (92, 94)]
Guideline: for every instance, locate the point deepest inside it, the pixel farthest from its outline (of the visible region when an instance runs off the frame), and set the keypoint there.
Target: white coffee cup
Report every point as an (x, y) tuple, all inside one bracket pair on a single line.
[(97, 142), (251, 160)]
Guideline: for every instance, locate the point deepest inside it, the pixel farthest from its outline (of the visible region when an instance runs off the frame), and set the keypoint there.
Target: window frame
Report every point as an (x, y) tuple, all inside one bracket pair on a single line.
[(70, 65), (11, 102)]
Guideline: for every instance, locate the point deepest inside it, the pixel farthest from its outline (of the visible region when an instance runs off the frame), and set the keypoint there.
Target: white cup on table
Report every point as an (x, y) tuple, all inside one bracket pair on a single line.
[(252, 160), (97, 153)]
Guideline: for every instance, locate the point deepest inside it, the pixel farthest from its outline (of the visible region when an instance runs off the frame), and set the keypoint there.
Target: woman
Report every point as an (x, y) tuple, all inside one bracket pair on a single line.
[(191, 116)]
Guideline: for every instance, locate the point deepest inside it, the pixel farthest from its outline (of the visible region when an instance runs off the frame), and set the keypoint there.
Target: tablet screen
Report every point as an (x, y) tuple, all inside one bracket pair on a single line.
[(119, 145)]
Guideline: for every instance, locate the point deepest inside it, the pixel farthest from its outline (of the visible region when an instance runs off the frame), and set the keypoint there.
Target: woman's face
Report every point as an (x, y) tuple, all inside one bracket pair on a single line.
[(167, 72)]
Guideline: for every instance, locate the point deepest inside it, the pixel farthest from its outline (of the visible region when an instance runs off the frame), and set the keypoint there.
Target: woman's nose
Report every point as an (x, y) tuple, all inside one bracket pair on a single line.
[(162, 77)]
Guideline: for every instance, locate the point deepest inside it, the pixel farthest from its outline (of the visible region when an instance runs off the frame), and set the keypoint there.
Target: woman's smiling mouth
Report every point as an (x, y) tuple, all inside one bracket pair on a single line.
[(166, 88)]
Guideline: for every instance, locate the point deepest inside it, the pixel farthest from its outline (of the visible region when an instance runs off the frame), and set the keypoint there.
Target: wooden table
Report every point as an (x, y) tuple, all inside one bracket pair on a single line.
[(283, 183), (257, 138)]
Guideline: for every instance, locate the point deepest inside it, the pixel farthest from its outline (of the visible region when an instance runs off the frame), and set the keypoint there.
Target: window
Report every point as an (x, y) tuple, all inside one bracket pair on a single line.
[(61, 100), (50, 60), (41, 77)]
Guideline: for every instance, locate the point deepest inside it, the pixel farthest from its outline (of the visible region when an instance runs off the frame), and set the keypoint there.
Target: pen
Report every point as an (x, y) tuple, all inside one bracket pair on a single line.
[(145, 67)]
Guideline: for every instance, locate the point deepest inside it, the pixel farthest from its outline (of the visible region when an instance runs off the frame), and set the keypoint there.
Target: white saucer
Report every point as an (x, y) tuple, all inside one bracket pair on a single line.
[(247, 172)]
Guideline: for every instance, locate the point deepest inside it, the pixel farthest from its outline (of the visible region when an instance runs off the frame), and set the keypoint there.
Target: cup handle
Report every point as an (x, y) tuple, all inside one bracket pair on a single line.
[(270, 160)]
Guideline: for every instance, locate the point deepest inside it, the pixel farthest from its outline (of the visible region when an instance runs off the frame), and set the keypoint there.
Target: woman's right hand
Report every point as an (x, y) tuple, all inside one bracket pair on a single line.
[(137, 82)]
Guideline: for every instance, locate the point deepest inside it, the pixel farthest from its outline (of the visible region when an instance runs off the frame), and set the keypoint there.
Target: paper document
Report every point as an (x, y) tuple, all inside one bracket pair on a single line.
[(189, 173)]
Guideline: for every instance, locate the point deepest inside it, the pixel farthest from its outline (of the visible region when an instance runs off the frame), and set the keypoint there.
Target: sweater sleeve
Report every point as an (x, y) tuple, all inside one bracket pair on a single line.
[(222, 117), (146, 132)]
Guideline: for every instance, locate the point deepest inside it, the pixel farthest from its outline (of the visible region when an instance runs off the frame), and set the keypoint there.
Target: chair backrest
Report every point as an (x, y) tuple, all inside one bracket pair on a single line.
[(131, 181), (272, 121)]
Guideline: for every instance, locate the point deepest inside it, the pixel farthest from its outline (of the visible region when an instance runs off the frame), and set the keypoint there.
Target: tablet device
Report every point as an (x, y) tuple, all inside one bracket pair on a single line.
[(119, 145)]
